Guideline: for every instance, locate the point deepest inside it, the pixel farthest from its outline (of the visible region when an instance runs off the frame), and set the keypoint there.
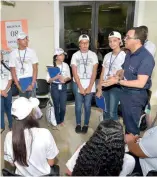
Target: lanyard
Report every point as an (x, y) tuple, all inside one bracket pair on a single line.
[(110, 65), (23, 58), (84, 62), (1, 69)]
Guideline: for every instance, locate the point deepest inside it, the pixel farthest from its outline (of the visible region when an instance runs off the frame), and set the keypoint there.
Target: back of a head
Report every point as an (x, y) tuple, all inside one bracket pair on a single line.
[(103, 153), (144, 29), (140, 34)]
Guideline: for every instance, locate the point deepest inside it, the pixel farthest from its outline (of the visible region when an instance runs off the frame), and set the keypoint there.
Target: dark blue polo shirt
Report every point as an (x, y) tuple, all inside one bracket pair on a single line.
[(141, 62)]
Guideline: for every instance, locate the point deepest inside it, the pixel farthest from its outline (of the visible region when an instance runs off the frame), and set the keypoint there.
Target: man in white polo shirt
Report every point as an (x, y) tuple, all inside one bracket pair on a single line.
[(150, 46), (84, 65), (24, 63)]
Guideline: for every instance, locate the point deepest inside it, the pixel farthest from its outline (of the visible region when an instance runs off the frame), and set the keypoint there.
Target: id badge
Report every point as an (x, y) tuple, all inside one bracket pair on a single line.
[(59, 86), (22, 71)]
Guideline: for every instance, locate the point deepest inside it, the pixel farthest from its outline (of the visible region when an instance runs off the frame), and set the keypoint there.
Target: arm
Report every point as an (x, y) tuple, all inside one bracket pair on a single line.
[(99, 87), (14, 76), (120, 74), (35, 73), (50, 162)]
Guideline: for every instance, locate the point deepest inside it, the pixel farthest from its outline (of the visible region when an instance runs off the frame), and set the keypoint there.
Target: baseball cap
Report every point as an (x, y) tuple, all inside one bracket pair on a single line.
[(59, 51), (22, 107), (22, 35), (84, 37), (117, 35)]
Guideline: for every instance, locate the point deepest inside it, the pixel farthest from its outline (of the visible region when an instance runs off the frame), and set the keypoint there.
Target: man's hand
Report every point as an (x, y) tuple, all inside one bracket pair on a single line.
[(110, 81), (61, 79), (82, 91), (99, 93), (88, 90), (4, 93), (130, 138)]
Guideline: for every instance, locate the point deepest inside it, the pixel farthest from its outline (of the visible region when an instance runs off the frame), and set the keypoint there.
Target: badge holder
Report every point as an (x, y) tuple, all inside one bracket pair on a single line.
[(59, 86)]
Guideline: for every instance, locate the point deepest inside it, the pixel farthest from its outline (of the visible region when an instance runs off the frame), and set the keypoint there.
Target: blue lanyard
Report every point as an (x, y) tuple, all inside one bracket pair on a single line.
[(84, 62), (23, 58), (110, 65)]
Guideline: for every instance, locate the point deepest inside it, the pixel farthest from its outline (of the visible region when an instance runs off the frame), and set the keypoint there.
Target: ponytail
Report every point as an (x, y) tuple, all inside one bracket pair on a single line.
[(54, 60)]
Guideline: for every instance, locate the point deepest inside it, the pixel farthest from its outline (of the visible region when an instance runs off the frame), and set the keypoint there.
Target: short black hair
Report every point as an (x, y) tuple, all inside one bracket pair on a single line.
[(140, 34), (144, 28)]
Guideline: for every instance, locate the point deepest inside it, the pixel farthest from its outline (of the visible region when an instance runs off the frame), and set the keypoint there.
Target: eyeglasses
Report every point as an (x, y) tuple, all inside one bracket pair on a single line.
[(128, 37), (84, 43)]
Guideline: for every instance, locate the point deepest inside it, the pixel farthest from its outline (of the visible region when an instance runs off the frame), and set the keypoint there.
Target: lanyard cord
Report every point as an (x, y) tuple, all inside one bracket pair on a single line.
[(110, 65), (23, 58), (85, 64), (5, 65)]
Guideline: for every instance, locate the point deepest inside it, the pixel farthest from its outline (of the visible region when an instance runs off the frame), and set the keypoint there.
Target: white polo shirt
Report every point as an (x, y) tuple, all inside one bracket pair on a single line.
[(5, 74), (113, 63), (148, 144), (85, 63), (43, 147), (65, 71), (23, 59), (150, 47)]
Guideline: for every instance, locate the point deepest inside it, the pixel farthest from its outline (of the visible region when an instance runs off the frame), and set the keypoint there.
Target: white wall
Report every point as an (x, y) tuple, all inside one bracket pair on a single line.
[(40, 28), (146, 14)]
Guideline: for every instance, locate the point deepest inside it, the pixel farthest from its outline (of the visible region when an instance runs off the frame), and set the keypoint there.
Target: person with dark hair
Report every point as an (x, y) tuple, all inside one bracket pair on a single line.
[(135, 79), (30, 149), (5, 92), (111, 64), (84, 65), (150, 46), (59, 85), (102, 154)]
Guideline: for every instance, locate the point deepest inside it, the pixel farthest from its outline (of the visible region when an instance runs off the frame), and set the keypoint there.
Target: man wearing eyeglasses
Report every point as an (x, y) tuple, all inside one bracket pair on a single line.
[(84, 65), (135, 79)]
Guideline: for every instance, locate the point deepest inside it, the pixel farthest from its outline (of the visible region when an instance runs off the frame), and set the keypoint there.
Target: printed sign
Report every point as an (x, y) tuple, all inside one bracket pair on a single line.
[(9, 32)]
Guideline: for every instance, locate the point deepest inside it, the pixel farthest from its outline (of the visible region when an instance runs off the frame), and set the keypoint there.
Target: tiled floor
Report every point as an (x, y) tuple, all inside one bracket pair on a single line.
[(66, 138)]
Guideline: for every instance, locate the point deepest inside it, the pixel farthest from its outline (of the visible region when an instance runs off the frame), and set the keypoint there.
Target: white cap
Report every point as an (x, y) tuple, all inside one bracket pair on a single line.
[(117, 35), (22, 107), (22, 35), (59, 51), (84, 37)]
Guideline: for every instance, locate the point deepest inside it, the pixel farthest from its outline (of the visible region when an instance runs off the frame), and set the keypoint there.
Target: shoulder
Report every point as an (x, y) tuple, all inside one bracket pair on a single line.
[(122, 53), (76, 53), (13, 52), (108, 55), (91, 53), (30, 50), (43, 132), (146, 55), (149, 44)]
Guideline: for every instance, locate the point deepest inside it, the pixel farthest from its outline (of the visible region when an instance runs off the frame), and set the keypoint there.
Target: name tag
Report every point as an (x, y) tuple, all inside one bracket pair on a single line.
[(59, 86)]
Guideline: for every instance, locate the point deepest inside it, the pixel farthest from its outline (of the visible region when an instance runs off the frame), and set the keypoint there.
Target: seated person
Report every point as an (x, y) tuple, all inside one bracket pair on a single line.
[(103, 154), (30, 149), (144, 150)]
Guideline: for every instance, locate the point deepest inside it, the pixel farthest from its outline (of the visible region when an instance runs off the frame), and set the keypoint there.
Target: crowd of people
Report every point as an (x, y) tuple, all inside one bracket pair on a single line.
[(125, 79)]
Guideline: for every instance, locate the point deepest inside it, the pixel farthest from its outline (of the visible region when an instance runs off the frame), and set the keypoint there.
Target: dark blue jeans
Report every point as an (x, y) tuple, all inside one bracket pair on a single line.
[(132, 103), (6, 103), (59, 98), (112, 98), (79, 100)]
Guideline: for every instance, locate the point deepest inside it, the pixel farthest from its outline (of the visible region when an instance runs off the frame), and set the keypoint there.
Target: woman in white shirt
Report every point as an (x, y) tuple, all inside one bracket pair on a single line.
[(30, 149), (59, 85), (5, 92), (111, 64)]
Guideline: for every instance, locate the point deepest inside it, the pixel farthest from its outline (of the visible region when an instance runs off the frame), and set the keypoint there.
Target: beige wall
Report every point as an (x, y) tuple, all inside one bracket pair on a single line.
[(40, 28), (145, 14)]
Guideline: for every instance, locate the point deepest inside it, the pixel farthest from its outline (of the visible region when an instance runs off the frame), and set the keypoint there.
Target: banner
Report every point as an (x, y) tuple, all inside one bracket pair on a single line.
[(9, 32)]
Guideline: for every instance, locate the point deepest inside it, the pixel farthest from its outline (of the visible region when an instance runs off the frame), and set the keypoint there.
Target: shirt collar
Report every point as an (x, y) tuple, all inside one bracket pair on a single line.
[(137, 51)]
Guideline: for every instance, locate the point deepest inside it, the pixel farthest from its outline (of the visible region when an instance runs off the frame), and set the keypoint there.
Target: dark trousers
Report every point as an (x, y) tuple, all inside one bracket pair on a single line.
[(6, 103), (59, 98), (132, 103)]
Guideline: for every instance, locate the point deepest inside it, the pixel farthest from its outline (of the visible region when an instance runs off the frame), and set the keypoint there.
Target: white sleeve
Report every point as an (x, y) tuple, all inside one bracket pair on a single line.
[(34, 57), (148, 144), (121, 61), (47, 76), (72, 161), (68, 71), (8, 152), (73, 60), (12, 58), (51, 150), (95, 57), (104, 61)]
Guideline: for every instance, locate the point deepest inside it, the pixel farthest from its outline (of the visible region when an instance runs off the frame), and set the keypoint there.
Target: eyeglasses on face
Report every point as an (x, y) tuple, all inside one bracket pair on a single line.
[(128, 37)]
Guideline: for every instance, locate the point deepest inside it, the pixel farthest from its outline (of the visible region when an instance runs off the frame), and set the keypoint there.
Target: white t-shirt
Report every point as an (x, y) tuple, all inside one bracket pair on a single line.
[(127, 168), (23, 59), (65, 71), (5, 74), (113, 63), (43, 148), (148, 144), (85, 63), (150, 47)]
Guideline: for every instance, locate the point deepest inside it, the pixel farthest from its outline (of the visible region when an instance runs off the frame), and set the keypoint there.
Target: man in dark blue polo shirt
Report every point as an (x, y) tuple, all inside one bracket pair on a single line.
[(136, 74)]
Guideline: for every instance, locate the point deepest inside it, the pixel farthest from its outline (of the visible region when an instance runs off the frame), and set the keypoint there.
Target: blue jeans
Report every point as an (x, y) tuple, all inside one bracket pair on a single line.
[(112, 98), (59, 98), (132, 103), (6, 103), (28, 94), (79, 100)]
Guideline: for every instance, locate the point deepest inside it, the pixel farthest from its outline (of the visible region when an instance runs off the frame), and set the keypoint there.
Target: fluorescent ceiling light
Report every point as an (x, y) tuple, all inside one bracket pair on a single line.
[(113, 7)]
